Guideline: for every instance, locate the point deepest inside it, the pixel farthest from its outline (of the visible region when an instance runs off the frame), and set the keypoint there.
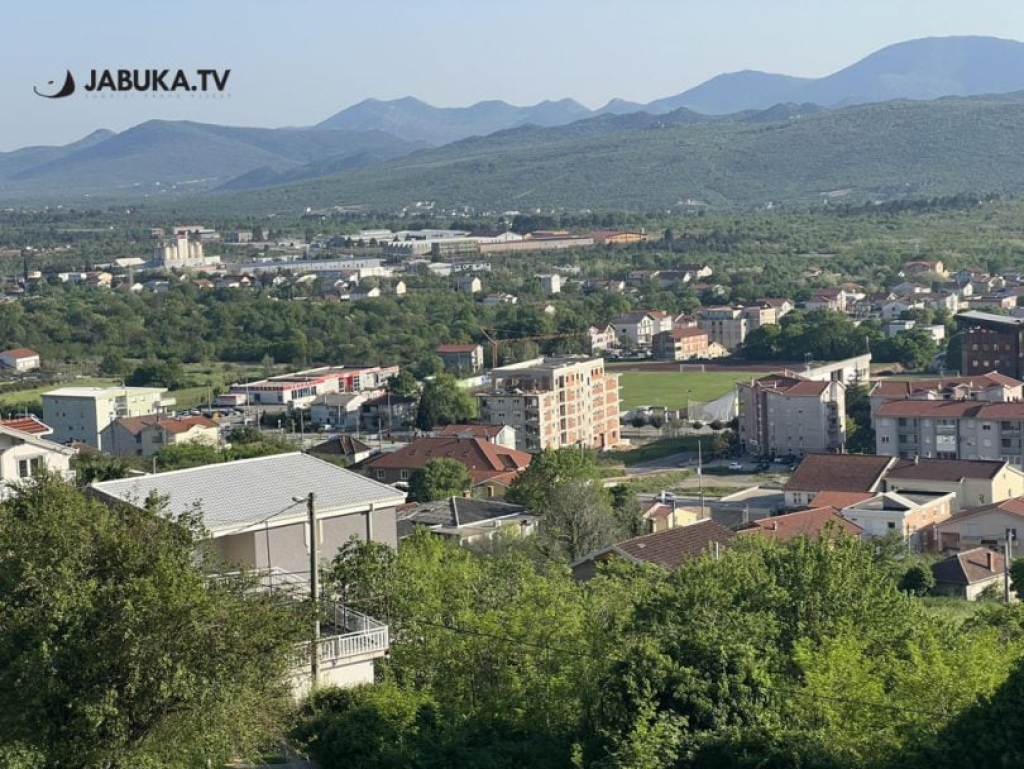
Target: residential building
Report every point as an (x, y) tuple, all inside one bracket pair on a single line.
[(23, 454), (20, 359), (640, 326), (464, 358), (491, 467), (973, 482), (342, 447), (339, 411), (812, 524), (83, 413), (257, 512), (466, 521), (662, 515), (925, 267), (968, 574), (554, 402), (911, 516), (990, 388), (728, 326), (551, 284), (144, 436), (602, 338), (28, 423), (760, 314), (984, 526), (470, 284), (668, 548), (388, 412), (856, 473), (499, 435), (785, 413), (991, 342), (680, 344), (950, 430)]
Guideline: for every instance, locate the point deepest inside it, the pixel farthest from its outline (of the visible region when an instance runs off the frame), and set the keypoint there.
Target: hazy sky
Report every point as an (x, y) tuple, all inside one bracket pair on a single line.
[(296, 62)]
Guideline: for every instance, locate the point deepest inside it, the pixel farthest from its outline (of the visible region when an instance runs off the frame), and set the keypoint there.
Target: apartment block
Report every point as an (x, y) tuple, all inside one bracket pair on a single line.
[(728, 326), (680, 344), (991, 342), (785, 413), (555, 402), (83, 413)]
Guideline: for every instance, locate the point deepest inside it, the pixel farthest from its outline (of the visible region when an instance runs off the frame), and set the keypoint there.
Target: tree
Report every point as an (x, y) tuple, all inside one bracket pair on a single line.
[(1017, 577), (917, 580), (577, 520), (118, 651), (546, 471), (439, 479), (404, 383), (443, 402)]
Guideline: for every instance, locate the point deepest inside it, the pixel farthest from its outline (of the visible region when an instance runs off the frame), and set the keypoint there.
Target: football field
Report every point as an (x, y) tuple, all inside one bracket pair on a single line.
[(673, 390)]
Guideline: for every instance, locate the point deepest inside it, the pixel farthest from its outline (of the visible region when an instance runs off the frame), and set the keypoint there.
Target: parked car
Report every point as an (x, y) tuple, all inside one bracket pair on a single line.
[(735, 465)]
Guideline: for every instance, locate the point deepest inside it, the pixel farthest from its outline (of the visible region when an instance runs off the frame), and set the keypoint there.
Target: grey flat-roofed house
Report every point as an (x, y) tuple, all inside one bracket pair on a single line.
[(250, 510)]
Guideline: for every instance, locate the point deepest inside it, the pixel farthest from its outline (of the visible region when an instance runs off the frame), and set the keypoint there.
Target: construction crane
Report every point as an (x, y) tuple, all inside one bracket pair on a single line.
[(526, 338)]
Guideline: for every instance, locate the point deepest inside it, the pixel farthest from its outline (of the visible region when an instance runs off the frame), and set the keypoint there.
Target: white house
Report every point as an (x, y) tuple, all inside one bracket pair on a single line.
[(257, 512), (23, 454), (19, 359)]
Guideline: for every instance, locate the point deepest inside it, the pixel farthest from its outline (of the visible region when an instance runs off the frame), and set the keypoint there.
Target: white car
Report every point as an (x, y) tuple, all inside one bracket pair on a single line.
[(735, 466)]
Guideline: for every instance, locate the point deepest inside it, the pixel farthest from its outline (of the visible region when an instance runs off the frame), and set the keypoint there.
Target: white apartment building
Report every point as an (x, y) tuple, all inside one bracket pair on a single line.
[(785, 413), (555, 402), (82, 413)]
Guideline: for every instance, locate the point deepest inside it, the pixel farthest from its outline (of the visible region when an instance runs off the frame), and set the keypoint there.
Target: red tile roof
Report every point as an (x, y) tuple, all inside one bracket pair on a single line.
[(906, 389), (453, 348), (791, 384), (839, 472), (804, 523), (840, 499), (29, 424), (1013, 506), (945, 469), (969, 567), (484, 460), (136, 425), (20, 353), (1010, 410), (671, 547), (475, 431)]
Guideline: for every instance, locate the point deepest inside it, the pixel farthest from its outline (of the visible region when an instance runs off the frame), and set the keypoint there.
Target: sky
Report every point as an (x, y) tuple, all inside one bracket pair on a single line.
[(296, 63)]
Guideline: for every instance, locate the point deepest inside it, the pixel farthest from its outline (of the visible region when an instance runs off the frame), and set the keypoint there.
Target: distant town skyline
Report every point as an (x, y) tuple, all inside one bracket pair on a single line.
[(299, 63)]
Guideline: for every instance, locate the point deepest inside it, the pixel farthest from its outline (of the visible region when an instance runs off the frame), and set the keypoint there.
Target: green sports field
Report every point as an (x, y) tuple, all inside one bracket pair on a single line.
[(672, 390)]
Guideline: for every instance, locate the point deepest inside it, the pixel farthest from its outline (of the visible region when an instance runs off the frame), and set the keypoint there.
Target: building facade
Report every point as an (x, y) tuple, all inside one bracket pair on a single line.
[(728, 326), (680, 344), (991, 342), (555, 402), (468, 358), (146, 435), (785, 413), (83, 413)]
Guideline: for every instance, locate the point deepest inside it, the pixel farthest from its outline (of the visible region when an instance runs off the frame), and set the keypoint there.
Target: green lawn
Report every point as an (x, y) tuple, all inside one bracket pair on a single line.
[(21, 396), (672, 389)]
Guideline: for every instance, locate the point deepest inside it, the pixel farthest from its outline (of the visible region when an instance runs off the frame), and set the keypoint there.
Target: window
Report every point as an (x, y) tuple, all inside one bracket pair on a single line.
[(891, 525), (380, 475), (885, 439), (403, 474), (28, 467)]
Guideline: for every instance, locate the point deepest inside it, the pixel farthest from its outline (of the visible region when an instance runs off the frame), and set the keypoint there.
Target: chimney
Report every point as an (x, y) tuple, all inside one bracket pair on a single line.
[(990, 560)]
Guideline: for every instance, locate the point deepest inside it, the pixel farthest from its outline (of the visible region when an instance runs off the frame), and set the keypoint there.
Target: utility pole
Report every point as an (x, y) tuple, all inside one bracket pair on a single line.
[(1011, 534), (700, 478), (314, 589)]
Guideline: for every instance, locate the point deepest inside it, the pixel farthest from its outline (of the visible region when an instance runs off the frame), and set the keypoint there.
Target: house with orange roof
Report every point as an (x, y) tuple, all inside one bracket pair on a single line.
[(144, 436), (492, 468), (813, 523), (984, 526)]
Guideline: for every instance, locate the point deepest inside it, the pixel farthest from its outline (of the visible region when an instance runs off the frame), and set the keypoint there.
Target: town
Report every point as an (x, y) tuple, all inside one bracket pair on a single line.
[(563, 406)]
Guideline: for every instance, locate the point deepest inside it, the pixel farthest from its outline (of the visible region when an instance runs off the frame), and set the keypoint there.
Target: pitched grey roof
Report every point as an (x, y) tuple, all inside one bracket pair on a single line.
[(235, 495), (454, 512)]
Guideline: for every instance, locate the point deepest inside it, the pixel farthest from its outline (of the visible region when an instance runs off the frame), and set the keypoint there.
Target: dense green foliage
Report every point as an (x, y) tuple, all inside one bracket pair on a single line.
[(118, 651), (771, 656), (439, 479)]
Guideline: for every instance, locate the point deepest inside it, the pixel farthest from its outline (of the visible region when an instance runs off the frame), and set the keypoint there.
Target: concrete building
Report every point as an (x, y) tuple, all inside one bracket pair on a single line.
[(680, 344), (640, 326), (912, 516), (785, 413), (301, 388), (551, 284), (991, 342), (146, 435), (185, 251), (257, 514), (338, 410), (465, 358), (83, 413), (555, 402), (602, 338), (728, 326), (973, 482), (984, 526)]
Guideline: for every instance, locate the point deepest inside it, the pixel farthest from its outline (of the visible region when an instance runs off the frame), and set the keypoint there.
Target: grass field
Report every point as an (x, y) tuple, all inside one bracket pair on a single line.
[(672, 390), (22, 396)]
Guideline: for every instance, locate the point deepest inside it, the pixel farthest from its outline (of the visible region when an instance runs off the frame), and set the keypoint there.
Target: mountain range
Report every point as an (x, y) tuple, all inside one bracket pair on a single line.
[(362, 149)]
